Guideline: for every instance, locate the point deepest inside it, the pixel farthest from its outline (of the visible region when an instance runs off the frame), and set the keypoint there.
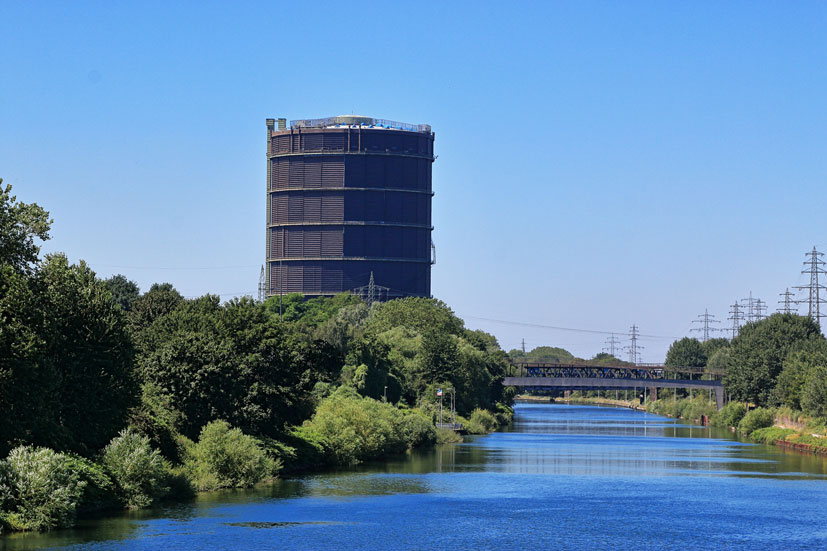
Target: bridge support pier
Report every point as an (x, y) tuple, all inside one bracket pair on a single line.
[(653, 393), (566, 394), (719, 397)]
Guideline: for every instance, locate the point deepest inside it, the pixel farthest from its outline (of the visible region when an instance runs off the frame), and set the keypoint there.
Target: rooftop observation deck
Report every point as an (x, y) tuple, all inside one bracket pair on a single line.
[(356, 121)]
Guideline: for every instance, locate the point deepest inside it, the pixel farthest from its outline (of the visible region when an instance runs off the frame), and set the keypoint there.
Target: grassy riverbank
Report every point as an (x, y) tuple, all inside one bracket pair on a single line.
[(780, 426), (577, 398)]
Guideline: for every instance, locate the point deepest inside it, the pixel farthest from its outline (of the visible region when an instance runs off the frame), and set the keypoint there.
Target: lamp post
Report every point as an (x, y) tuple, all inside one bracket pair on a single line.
[(385, 395)]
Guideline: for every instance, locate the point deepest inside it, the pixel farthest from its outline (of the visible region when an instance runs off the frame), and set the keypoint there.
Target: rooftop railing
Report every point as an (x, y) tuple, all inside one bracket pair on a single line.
[(374, 123)]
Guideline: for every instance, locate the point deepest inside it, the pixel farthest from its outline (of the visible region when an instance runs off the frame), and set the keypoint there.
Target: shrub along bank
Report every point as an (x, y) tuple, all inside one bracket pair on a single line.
[(763, 424), (41, 489)]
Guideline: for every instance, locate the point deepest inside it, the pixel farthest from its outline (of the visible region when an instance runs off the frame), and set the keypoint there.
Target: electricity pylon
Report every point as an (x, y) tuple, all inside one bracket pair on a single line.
[(736, 316), (634, 348), (814, 266), (706, 318), (787, 302)]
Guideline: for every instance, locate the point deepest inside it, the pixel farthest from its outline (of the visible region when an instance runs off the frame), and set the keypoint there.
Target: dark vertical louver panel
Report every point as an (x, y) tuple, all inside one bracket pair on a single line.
[(280, 211), (374, 243), (295, 208), (333, 174), (281, 173), (410, 204), (354, 207), (332, 279), (312, 242), (276, 243), (313, 142), (332, 242), (312, 207), (275, 272), (393, 172), (374, 172), (294, 243), (313, 173), (293, 278), (393, 206), (334, 142), (296, 175), (312, 279), (375, 206), (355, 171), (333, 208), (408, 176)]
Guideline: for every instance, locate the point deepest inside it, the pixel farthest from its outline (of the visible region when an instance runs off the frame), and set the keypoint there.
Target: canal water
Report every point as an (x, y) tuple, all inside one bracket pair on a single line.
[(562, 477)]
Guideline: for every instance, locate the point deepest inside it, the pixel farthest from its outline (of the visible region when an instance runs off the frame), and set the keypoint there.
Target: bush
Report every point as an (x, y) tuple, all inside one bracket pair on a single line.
[(227, 458), (484, 418), (505, 414), (39, 489), (699, 407), (684, 408), (100, 492), (418, 429), (358, 429), (138, 470), (447, 436), (769, 435), (758, 418), (730, 415), (300, 449)]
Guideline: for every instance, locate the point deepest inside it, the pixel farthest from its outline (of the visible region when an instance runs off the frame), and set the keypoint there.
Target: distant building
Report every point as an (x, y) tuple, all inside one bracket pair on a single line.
[(348, 197)]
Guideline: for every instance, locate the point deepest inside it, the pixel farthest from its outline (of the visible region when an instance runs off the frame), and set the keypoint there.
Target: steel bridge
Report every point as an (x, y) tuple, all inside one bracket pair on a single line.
[(649, 377)]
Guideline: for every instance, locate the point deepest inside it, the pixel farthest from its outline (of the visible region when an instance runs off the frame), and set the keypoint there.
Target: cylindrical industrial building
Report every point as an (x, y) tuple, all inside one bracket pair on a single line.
[(348, 197)]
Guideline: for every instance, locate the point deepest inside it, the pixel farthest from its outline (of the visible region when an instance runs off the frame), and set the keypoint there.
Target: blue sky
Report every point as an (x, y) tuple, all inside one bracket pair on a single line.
[(600, 163)]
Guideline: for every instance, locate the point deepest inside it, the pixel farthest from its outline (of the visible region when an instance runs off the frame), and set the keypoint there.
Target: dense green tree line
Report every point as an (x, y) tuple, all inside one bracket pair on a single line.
[(135, 396), (778, 361)]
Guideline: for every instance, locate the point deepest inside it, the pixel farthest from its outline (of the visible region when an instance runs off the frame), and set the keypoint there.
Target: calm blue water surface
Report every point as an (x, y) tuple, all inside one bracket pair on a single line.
[(562, 477)]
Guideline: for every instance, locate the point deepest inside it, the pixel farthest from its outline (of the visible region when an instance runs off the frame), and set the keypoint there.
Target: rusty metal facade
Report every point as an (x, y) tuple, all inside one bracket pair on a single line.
[(347, 200)]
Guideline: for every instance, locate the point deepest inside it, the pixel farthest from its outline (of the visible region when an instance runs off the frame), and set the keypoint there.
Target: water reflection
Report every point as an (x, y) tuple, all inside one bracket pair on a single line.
[(558, 465)]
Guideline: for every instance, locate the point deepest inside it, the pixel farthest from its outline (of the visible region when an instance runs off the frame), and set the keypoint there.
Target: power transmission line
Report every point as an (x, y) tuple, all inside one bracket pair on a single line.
[(787, 302), (814, 266), (706, 318), (572, 329)]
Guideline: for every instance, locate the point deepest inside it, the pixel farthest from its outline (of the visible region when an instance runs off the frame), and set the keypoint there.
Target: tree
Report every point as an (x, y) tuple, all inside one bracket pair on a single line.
[(718, 361), (548, 354), (713, 345), (66, 363), (20, 225), (758, 352), (124, 292), (814, 394), (796, 370), (233, 362), (89, 352), (686, 352), (420, 314), (161, 299)]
